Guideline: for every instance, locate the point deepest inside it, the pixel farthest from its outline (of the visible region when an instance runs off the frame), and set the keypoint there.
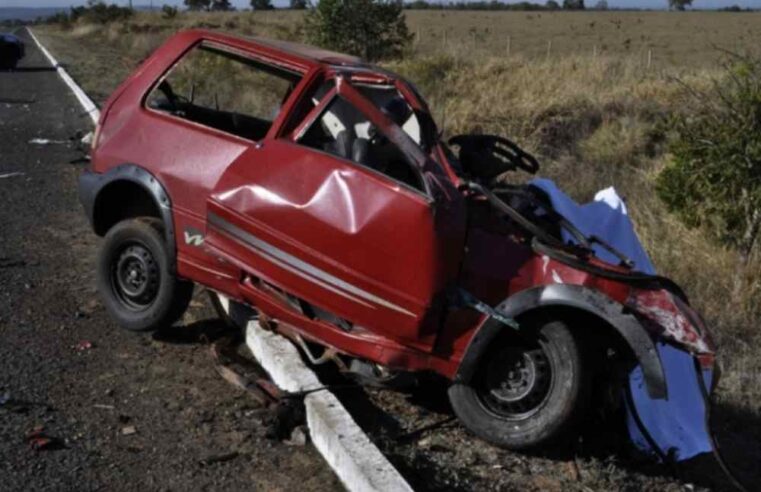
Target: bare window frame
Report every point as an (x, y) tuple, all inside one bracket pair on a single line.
[(243, 55)]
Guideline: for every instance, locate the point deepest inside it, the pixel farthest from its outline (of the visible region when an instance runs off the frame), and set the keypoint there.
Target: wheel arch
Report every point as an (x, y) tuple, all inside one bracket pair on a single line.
[(571, 298), (131, 188)]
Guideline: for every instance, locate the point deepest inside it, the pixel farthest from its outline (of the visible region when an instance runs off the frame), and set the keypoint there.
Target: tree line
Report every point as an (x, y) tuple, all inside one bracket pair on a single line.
[(225, 5)]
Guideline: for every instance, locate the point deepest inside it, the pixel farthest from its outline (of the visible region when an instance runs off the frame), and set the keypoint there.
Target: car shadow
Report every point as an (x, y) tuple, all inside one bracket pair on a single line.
[(387, 431), (738, 432), (603, 437), (198, 332)]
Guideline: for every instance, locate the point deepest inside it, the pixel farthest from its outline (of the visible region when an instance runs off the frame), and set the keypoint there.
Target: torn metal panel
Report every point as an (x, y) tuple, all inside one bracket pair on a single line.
[(673, 426), (672, 319)]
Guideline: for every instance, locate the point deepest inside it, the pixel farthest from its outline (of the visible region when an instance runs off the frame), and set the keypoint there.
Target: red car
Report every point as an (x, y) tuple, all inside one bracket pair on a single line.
[(316, 188)]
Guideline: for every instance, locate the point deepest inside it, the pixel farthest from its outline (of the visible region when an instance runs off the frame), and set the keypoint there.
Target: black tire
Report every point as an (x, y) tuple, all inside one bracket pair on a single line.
[(136, 278), (509, 414)]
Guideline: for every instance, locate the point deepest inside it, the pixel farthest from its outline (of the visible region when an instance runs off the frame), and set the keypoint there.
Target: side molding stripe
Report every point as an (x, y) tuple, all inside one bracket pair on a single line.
[(302, 268)]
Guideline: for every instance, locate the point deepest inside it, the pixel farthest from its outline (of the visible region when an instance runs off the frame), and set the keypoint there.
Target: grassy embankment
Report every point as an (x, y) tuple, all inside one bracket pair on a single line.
[(592, 109)]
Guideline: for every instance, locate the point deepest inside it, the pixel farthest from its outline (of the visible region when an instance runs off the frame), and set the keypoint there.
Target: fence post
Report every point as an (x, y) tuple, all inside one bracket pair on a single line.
[(508, 45), (549, 48), (649, 58)]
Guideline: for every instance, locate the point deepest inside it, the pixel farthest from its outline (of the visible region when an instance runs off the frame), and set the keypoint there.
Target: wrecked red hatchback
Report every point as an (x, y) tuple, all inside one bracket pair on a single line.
[(316, 189)]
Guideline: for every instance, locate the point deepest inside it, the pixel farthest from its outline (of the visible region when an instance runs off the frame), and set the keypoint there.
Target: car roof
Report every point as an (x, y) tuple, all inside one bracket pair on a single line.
[(312, 52), (298, 53)]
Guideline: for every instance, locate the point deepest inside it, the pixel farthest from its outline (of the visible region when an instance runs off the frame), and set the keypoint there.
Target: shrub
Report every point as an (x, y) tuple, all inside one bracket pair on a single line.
[(261, 5), (679, 4), (714, 177), (221, 6), (97, 12), (169, 12), (198, 4), (573, 4), (372, 29)]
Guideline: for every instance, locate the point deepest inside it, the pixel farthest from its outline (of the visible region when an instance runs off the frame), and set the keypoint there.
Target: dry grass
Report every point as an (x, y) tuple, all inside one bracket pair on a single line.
[(595, 121), (675, 38)]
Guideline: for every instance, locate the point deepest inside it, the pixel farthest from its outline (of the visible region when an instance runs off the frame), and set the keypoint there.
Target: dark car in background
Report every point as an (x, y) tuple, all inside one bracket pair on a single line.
[(11, 51)]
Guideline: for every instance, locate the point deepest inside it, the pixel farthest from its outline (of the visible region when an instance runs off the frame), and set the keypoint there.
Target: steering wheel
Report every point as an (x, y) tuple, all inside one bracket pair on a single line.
[(488, 156)]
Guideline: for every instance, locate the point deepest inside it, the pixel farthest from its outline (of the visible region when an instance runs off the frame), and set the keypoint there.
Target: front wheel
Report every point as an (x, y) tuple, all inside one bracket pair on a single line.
[(528, 391), (136, 278)]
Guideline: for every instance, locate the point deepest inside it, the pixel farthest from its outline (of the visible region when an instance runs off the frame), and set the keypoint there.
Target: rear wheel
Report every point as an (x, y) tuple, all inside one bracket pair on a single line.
[(136, 278), (528, 390)]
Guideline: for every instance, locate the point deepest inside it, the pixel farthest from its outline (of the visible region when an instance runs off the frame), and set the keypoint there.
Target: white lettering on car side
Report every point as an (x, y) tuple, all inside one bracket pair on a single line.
[(193, 238)]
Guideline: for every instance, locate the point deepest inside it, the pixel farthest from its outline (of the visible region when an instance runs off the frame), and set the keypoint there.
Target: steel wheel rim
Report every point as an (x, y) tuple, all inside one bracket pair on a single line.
[(135, 277), (516, 383)]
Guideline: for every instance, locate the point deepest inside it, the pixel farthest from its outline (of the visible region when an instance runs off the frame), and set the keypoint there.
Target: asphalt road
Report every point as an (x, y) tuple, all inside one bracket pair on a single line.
[(124, 411)]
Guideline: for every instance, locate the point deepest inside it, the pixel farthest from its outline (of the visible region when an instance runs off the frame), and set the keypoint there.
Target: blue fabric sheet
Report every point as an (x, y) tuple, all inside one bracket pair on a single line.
[(677, 425)]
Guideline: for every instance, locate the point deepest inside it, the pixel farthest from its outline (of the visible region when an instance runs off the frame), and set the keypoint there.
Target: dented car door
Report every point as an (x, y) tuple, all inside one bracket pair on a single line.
[(337, 221)]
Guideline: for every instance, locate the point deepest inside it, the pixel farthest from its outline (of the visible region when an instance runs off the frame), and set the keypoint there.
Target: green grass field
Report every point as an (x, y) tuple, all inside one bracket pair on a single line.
[(575, 88)]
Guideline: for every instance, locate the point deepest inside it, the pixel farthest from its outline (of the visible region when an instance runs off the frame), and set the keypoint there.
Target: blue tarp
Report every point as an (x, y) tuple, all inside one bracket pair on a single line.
[(677, 426)]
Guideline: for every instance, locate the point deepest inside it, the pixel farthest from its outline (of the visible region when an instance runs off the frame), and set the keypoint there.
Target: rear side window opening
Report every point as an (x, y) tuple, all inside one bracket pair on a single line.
[(225, 91)]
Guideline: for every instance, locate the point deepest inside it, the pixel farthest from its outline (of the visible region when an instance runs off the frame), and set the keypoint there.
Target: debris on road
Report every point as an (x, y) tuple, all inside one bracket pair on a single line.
[(218, 458), (86, 309), (263, 391), (83, 345), (39, 441), (129, 430), (286, 419), (298, 436), (47, 141), (11, 174), (103, 406), (87, 139)]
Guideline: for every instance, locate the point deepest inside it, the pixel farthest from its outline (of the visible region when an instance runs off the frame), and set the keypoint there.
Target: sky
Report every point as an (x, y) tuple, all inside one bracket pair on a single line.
[(706, 4)]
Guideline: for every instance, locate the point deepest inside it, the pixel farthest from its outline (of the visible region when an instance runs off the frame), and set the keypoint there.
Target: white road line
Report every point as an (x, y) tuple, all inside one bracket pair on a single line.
[(359, 464), (87, 103)]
